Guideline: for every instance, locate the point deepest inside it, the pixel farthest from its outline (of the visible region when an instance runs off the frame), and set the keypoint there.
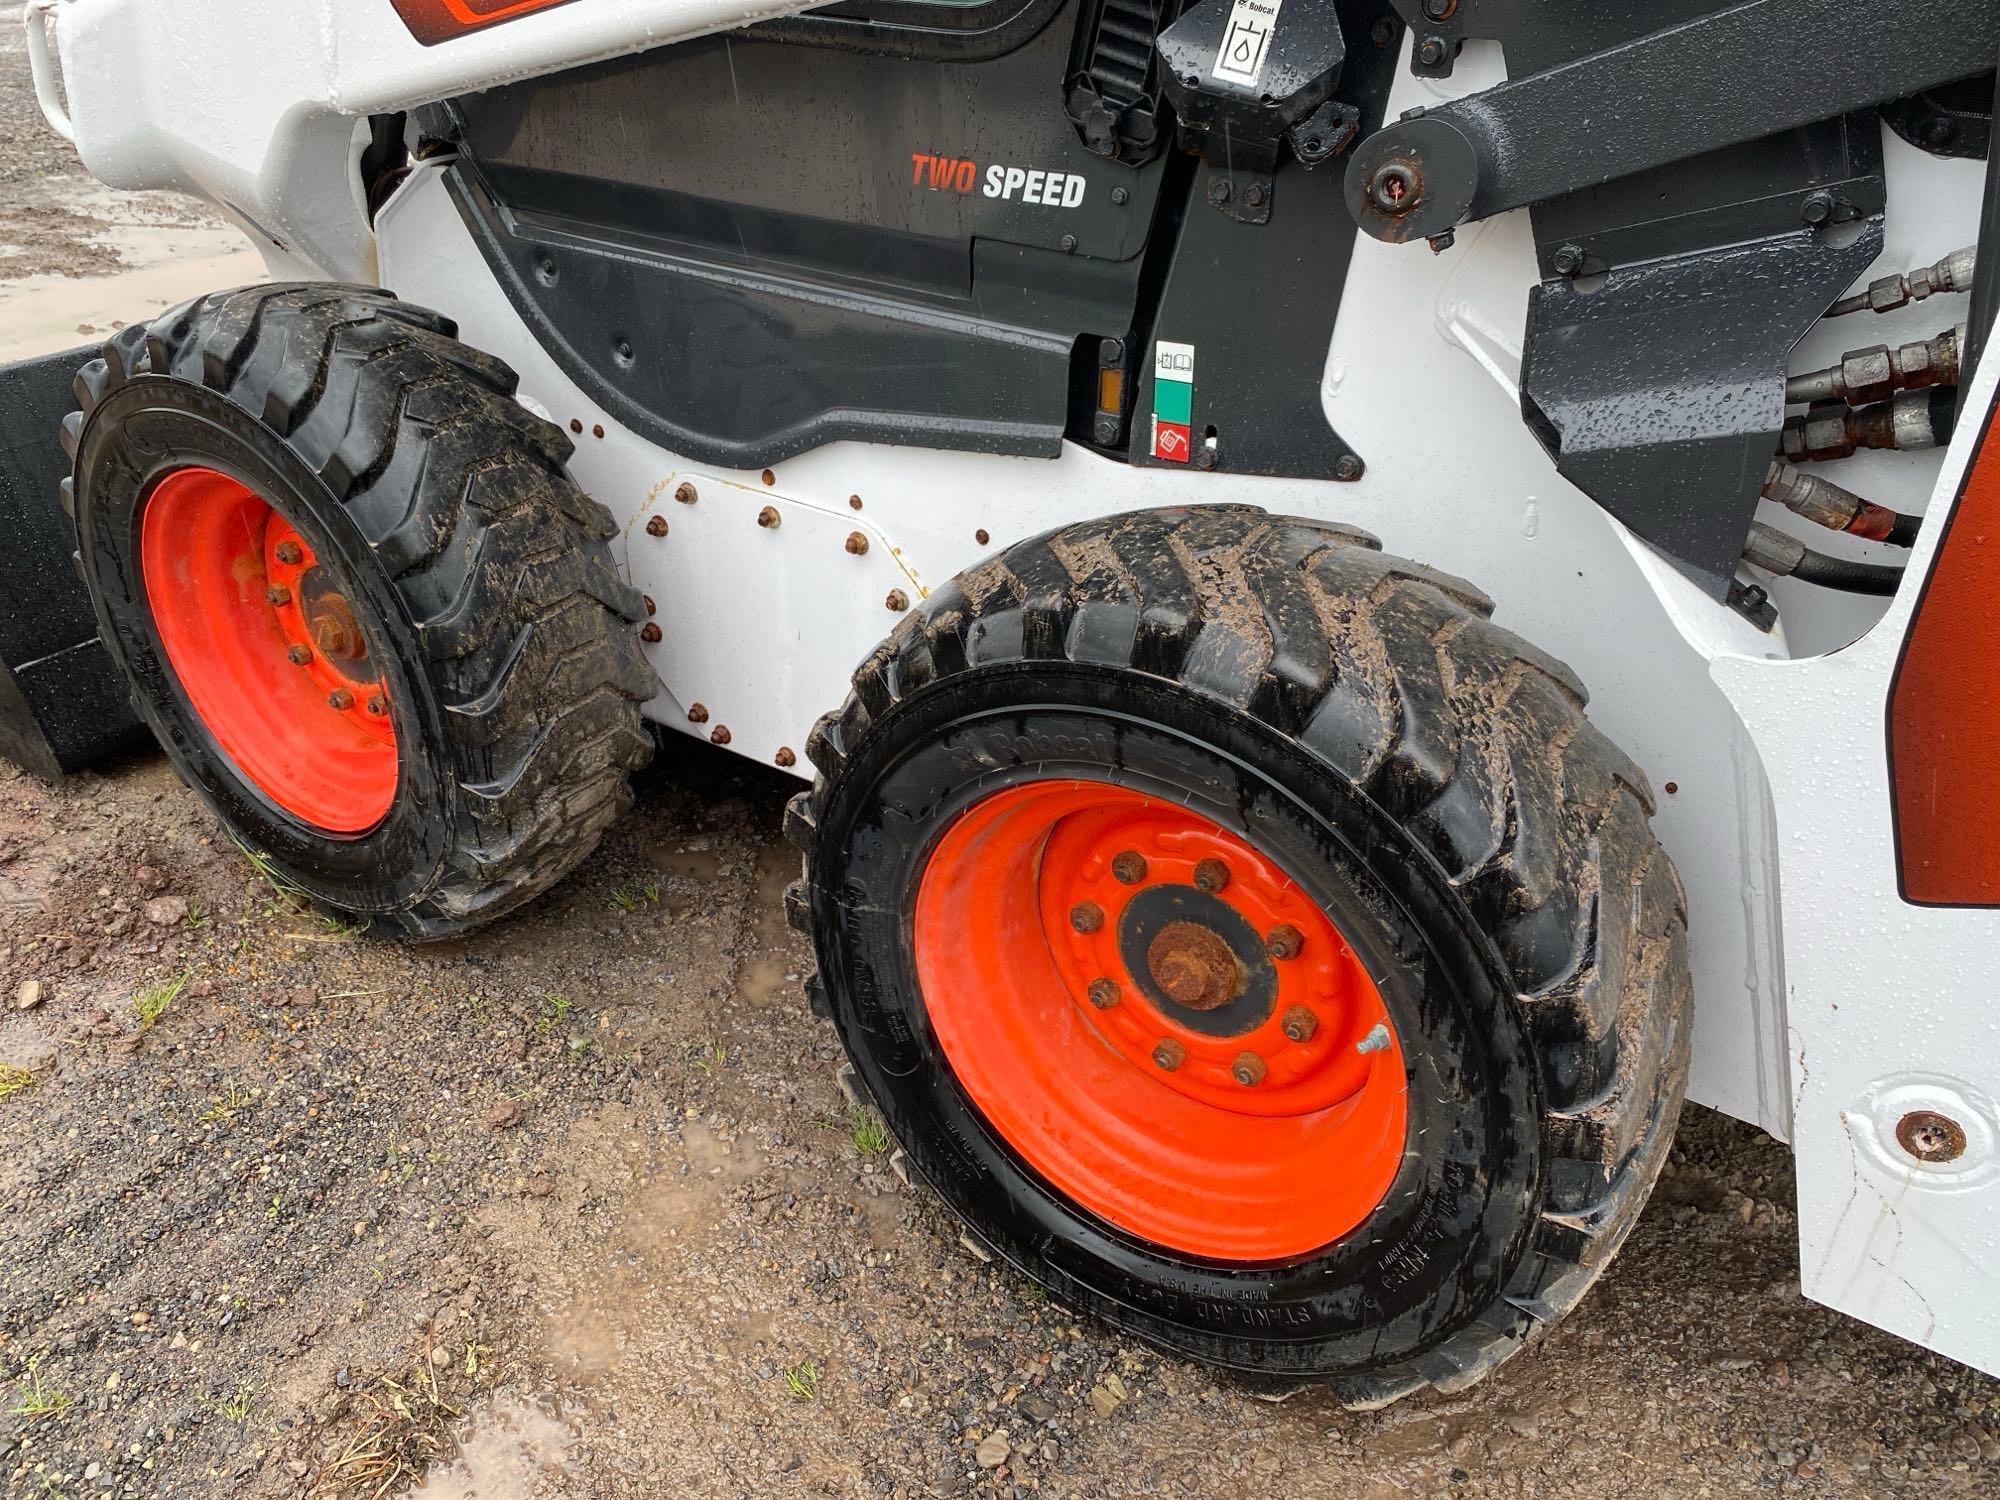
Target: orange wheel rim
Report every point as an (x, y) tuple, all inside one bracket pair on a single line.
[(1160, 1021), (268, 651)]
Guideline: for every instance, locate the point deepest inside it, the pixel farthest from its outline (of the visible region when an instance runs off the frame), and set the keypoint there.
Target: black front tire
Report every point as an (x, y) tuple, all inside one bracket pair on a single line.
[(1473, 832), (480, 574)]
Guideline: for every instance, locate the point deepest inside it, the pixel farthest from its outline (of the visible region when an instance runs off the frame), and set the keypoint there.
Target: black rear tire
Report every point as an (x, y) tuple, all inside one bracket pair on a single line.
[(1475, 834), (479, 574)]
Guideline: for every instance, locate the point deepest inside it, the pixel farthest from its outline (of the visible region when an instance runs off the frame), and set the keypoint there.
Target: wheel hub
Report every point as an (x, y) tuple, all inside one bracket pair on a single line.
[(1160, 1019), (268, 650), (1193, 965)]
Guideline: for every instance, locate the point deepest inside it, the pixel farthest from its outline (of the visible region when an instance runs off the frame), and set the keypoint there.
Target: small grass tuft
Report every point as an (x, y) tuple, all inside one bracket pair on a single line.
[(151, 1003), (239, 1406), (407, 1425), (553, 1012), (802, 1380), (38, 1398), (13, 1079), (871, 1136), (710, 1055)]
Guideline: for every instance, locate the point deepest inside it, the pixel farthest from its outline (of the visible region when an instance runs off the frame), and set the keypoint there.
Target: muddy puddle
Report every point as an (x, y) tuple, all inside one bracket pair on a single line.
[(508, 1449)]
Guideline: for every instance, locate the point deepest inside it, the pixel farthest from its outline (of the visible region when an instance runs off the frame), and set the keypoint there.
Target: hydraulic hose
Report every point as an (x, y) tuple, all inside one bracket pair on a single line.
[(1788, 557), (1825, 503)]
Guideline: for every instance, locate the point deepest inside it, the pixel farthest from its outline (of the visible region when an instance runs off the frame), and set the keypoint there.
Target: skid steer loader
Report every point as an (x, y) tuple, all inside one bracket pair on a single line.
[(1163, 471)]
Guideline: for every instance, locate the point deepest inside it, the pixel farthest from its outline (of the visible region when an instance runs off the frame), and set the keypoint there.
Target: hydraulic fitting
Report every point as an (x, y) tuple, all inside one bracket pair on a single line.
[(1832, 429), (1885, 294), (1876, 374)]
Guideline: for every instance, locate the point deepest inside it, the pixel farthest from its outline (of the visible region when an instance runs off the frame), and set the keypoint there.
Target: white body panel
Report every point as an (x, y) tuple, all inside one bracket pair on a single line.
[(254, 105), (1819, 1021)]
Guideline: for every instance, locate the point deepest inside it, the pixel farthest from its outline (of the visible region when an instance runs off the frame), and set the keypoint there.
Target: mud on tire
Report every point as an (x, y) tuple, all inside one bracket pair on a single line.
[(478, 569), (1450, 773)]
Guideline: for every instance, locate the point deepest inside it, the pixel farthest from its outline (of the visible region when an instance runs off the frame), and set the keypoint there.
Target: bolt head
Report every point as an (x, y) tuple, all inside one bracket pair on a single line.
[(1299, 1024), (1103, 993), (1086, 916), (1567, 259), (1930, 1136), (1284, 941), (1248, 1069), (1440, 10), (697, 714), (1119, 197), (768, 518), (1218, 190), (1396, 188), (685, 493), (1817, 209), (340, 698), (1349, 467), (378, 706), (290, 553), (651, 607), (1430, 51), (1253, 195), (277, 593), (897, 602), (1168, 1053), (785, 756), (299, 655), (719, 735), (1211, 875), (657, 526), (857, 543), (649, 632), (1128, 866)]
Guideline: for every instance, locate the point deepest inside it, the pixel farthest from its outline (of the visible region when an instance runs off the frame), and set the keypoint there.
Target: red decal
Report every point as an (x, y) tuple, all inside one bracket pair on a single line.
[(434, 21), (1171, 441)]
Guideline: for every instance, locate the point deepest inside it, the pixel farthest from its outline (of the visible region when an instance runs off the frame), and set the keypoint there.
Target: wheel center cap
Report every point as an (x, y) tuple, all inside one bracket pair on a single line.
[(1193, 965)]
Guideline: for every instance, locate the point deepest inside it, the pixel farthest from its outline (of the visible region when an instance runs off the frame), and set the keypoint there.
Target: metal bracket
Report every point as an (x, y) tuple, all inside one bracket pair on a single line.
[(1240, 97), (1743, 72)]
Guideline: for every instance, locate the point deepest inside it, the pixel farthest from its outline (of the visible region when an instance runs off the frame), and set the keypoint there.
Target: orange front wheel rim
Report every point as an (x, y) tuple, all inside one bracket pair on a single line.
[(1160, 1021), (268, 650)]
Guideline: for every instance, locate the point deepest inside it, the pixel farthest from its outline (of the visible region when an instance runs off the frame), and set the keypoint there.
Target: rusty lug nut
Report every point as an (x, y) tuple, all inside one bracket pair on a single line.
[(290, 553), (1086, 916), (1248, 1069), (651, 607), (719, 735), (1169, 1053), (1103, 993), (298, 655), (769, 519), (1299, 1024), (649, 632), (697, 714), (1128, 866), (1930, 1136), (657, 526), (377, 706), (897, 602), (785, 757), (277, 593), (1284, 941), (857, 543), (685, 493), (1211, 875), (340, 698)]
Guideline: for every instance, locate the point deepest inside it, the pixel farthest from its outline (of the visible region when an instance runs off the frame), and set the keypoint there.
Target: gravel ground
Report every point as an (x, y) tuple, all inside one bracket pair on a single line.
[(575, 1207)]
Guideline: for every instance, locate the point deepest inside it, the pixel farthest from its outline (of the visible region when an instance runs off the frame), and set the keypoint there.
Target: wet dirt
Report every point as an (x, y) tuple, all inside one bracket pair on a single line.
[(574, 1207)]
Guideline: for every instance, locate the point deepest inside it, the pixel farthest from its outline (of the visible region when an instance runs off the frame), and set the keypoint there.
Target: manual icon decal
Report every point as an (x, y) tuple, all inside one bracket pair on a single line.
[(1173, 401)]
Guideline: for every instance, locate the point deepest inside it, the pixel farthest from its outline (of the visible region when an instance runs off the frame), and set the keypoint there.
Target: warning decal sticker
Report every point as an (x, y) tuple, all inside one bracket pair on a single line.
[(1246, 41), (1173, 401)]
